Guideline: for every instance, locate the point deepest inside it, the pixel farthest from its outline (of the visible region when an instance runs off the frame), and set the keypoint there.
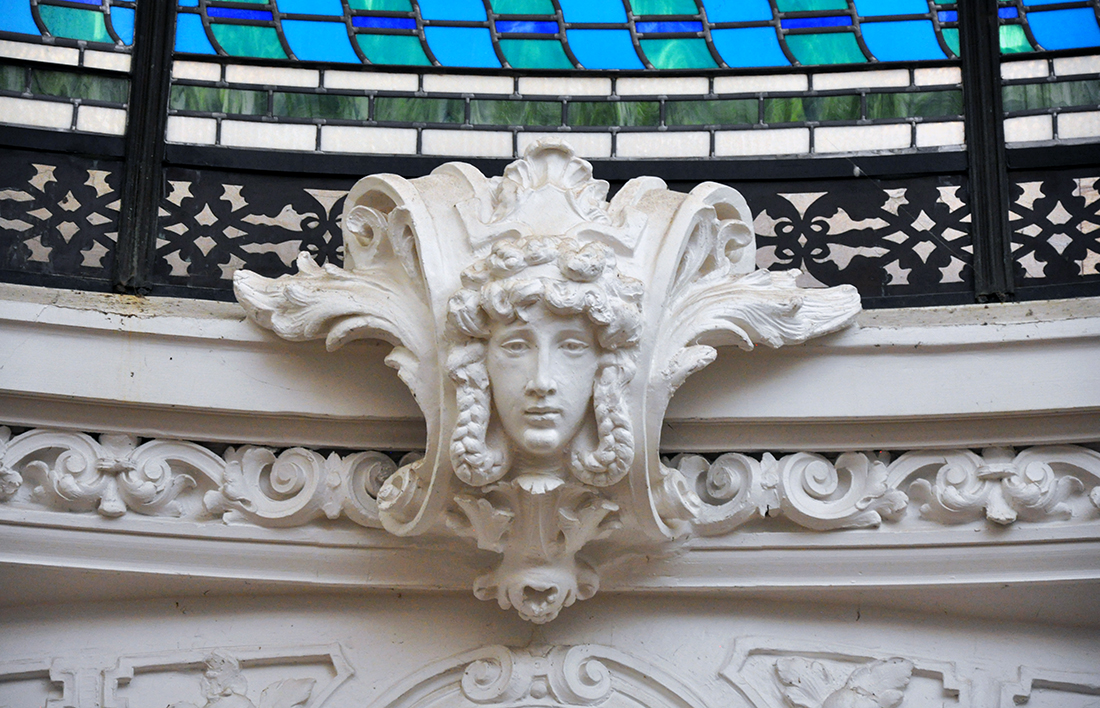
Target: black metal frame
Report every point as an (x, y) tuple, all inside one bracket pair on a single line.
[(985, 161)]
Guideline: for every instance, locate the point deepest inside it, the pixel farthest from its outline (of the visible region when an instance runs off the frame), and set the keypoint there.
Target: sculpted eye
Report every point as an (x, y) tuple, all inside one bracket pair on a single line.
[(575, 346), (514, 346)]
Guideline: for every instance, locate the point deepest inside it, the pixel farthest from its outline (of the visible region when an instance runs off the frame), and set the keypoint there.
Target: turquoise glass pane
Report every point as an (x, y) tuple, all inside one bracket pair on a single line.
[(738, 10), (312, 7), (1013, 39), (75, 24), (832, 48), (122, 20), (664, 7), (249, 41), (804, 5), (1065, 29), (462, 46), (604, 49), (188, 3), (396, 49), (535, 54), (15, 16), (381, 5), (678, 53), (870, 8), (471, 10), (190, 36), (751, 46), (523, 7), (902, 41), (319, 41), (588, 11)]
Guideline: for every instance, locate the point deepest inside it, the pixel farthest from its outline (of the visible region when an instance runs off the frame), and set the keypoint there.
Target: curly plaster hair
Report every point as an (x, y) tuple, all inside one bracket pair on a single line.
[(569, 278)]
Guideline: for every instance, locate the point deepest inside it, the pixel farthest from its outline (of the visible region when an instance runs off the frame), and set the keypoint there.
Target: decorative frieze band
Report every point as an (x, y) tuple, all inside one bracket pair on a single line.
[(116, 474)]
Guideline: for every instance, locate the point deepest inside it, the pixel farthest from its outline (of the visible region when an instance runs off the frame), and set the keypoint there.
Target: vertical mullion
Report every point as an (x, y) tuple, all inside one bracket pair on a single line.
[(988, 173), (144, 167)]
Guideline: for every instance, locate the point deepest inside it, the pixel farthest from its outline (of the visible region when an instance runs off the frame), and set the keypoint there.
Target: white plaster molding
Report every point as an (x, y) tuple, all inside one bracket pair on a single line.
[(997, 369), (542, 331), (1067, 687), (558, 676), (102, 680), (829, 675)]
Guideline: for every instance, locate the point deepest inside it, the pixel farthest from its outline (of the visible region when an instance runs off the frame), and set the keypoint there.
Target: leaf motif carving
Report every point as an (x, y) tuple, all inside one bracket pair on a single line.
[(288, 693)]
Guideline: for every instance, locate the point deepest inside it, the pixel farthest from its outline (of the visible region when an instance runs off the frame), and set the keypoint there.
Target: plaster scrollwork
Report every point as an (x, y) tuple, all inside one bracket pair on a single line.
[(541, 675), (542, 330), (999, 484), (876, 684)]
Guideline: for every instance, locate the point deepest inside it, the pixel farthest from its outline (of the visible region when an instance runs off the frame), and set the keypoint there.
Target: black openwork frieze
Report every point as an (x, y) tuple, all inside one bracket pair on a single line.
[(1055, 218), (58, 219), (212, 223), (898, 241)]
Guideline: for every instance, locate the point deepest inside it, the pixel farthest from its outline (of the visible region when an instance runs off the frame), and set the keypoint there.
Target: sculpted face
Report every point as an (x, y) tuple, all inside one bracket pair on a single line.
[(541, 373)]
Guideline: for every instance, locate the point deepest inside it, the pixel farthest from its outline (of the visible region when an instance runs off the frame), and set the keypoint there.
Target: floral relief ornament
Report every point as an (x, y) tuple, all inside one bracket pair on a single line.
[(542, 331)]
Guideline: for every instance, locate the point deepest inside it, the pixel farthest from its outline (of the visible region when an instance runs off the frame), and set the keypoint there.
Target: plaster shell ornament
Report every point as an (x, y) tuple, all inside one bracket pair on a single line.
[(542, 331)]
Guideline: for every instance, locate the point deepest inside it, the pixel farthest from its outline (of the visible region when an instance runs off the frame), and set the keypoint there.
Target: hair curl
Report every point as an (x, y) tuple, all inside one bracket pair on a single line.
[(569, 278)]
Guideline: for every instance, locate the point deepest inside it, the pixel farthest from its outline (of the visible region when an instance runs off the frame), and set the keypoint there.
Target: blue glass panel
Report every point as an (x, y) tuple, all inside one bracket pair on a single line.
[(312, 7), (189, 3), (669, 26), (97, 3), (319, 41), (122, 19), (15, 16), (1007, 12), (472, 10), (798, 22), (902, 41), (190, 36), (1028, 3), (1065, 29), (462, 46), (237, 14), (738, 10), (527, 27), (870, 8), (384, 22), (751, 46), (604, 49), (948, 15), (588, 11)]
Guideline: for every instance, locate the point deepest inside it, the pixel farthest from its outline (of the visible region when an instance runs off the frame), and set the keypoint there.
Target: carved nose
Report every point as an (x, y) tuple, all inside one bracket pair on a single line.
[(537, 598), (541, 385)]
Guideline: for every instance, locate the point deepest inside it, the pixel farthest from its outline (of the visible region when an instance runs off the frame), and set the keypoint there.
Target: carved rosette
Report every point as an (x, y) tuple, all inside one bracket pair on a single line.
[(542, 331)]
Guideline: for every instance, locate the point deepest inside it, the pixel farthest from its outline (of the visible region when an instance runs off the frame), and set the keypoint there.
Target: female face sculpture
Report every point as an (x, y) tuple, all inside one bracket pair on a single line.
[(541, 370), (547, 331)]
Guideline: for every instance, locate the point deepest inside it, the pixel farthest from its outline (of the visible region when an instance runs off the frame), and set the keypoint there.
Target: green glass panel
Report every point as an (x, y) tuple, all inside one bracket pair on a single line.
[(664, 7), (75, 24), (951, 36), (731, 112), (523, 7), (628, 113), (803, 5), (316, 105), (928, 104), (400, 49), (678, 53), (515, 112), (206, 99), (1060, 95), (832, 48), (249, 41), (811, 108), (381, 5), (13, 78), (535, 54), (1014, 40), (92, 88), (418, 110)]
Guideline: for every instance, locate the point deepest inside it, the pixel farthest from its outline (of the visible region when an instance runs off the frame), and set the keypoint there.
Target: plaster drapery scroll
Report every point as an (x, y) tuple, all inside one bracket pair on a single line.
[(542, 331)]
